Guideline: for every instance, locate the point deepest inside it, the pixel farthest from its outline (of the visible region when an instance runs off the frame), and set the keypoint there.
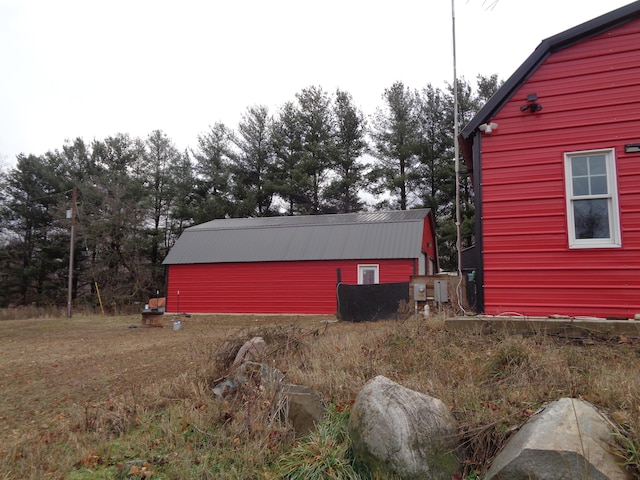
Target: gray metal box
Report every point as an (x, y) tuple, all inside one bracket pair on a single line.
[(441, 293), (419, 292)]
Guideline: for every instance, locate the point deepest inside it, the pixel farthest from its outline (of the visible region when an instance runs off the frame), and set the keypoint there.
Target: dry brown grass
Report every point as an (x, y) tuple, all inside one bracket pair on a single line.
[(91, 398)]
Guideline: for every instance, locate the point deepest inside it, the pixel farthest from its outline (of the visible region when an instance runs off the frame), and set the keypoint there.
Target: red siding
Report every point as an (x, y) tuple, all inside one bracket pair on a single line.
[(272, 287), (429, 245), (588, 93)]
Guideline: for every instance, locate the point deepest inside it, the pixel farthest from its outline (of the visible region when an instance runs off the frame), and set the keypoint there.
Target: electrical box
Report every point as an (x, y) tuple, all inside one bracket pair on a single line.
[(419, 292), (441, 293)]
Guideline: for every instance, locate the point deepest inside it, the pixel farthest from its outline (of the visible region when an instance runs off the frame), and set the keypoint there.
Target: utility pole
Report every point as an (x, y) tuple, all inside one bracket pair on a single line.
[(71, 246)]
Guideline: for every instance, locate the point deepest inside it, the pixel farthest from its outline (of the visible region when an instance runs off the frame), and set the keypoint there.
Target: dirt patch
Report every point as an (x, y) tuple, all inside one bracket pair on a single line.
[(52, 368)]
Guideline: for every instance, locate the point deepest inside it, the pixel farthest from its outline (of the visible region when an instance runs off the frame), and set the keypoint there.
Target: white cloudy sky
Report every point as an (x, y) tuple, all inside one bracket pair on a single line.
[(93, 68)]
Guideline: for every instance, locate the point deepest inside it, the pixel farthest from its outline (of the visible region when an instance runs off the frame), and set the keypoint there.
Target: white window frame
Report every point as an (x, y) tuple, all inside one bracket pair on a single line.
[(368, 266), (613, 241)]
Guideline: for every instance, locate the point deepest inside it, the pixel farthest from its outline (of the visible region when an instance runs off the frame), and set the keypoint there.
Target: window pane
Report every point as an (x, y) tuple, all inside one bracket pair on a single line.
[(599, 185), (368, 277), (591, 218), (580, 186), (597, 165), (579, 166)]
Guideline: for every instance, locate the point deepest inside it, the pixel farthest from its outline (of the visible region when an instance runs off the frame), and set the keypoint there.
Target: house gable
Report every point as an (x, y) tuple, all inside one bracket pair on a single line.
[(556, 43)]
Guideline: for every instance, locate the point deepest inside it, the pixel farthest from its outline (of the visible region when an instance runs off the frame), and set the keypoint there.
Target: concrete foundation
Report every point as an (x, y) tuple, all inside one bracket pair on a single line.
[(578, 326)]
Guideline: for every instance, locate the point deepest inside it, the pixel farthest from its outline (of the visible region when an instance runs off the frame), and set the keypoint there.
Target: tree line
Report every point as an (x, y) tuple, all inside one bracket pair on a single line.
[(316, 154)]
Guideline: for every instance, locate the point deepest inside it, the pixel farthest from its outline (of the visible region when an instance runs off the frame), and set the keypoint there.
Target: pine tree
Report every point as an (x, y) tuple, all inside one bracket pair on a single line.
[(395, 144), (348, 171), (253, 164)]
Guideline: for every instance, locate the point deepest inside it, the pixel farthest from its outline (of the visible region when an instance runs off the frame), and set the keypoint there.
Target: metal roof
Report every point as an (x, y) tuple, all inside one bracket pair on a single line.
[(376, 235)]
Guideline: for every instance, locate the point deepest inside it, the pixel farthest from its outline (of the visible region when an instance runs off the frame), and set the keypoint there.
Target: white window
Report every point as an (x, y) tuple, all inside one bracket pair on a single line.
[(368, 274), (592, 199)]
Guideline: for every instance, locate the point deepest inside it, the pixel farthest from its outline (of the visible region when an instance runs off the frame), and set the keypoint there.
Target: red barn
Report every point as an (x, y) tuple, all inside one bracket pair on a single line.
[(291, 265), (555, 159)]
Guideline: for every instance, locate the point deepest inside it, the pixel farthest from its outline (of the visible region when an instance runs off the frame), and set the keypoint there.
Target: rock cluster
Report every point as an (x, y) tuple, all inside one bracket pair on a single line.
[(297, 404), (410, 435), (402, 433)]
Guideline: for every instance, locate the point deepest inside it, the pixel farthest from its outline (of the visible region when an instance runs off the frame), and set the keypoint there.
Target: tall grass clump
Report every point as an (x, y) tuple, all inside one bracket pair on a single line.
[(626, 446), (324, 454)]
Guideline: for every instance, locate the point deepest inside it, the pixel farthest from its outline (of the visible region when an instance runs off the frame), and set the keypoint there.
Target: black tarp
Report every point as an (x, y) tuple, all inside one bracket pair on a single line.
[(365, 303)]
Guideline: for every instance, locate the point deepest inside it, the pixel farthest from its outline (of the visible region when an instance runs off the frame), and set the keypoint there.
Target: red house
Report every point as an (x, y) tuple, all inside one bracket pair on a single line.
[(291, 265), (555, 159)]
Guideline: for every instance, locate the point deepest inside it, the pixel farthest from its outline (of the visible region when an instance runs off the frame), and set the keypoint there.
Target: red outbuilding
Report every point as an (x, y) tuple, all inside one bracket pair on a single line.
[(555, 159), (293, 264)]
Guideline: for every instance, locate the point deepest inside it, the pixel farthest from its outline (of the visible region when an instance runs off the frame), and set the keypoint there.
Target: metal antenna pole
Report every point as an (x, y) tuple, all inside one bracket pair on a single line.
[(455, 143), (456, 146), (71, 245)]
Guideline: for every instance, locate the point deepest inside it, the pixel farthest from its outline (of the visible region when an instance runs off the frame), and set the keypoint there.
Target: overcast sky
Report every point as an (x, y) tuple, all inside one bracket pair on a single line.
[(93, 68)]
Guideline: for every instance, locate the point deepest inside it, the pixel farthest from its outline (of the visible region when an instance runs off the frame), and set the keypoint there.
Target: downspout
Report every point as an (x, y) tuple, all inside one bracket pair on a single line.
[(479, 239)]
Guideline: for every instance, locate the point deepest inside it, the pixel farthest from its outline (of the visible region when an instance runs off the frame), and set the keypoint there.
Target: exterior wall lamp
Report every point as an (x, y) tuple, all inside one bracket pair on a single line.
[(532, 106), (488, 128), (632, 148)]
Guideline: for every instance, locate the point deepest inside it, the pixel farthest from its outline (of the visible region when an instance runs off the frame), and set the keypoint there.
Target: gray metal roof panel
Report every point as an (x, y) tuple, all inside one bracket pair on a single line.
[(298, 220), (321, 237)]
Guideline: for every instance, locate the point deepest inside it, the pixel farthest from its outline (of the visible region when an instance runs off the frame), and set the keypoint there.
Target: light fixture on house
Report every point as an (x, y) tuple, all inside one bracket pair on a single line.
[(488, 128), (532, 106), (632, 148)]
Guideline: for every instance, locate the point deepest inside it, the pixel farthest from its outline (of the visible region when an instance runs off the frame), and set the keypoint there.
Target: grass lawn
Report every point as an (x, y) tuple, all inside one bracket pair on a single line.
[(90, 397)]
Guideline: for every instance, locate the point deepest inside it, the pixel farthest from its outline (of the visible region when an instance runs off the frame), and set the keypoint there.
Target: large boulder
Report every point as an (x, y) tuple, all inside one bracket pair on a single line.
[(568, 439), (397, 431)]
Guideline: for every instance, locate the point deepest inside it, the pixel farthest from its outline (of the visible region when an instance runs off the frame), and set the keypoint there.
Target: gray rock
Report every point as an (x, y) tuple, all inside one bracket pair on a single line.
[(300, 405), (251, 351), (260, 373), (226, 387), (397, 431), (568, 439)]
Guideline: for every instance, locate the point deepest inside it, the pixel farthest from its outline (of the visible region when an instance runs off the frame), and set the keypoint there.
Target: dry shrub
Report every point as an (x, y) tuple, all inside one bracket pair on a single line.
[(284, 342), (112, 417), (31, 311), (510, 358), (405, 310)]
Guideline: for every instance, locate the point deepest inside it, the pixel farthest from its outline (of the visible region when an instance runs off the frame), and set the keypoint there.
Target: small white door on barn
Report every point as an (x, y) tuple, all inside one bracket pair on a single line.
[(368, 274)]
